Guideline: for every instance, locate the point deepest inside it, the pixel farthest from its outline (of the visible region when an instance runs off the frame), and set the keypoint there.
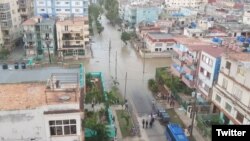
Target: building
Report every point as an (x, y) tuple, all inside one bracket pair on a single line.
[(209, 67), (10, 23), (51, 111), (231, 93), (193, 32), (26, 9), (246, 15), (186, 58), (185, 3), (159, 42), (39, 36), (137, 13), (61, 8), (72, 37)]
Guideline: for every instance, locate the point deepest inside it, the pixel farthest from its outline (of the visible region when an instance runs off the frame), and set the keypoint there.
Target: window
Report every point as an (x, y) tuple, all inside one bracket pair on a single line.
[(77, 42), (77, 3), (239, 117), (46, 35), (41, 2), (201, 69), (228, 65), (224, 83), (67, 9), (58, 9), (58, 3), (66, 28), (218, 98), (237, 93), (77, 10), (42, 10), (228, 107), (62, 127), (66, 2), (208, 75), (241, 71)]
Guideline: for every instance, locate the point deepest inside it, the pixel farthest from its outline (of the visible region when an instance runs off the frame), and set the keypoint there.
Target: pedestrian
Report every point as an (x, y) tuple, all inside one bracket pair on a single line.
[(146, 123), (113, 119), (173, 103), (150, 124), (126, 106), (92, 105), (143, 122)]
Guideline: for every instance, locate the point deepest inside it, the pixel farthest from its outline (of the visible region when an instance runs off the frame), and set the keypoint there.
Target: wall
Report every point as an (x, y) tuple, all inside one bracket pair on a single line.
[(148, 14)]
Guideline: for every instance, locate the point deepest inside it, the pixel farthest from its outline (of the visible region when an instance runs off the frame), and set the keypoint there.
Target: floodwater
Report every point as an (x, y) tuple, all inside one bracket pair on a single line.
[(128, 61)]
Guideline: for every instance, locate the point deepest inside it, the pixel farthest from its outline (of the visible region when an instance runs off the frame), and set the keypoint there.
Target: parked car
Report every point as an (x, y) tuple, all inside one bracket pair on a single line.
[(165, 118)]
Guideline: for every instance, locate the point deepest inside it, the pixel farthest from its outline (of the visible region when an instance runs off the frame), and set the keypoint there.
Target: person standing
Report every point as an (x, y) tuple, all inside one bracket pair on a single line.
[(146, 123), (143, 122)]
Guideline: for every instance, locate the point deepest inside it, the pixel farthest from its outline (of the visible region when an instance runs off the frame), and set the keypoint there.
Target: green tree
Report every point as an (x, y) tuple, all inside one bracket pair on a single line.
[(112, 8), (99, 27), (4, 53), (125, 37), (126, 117)]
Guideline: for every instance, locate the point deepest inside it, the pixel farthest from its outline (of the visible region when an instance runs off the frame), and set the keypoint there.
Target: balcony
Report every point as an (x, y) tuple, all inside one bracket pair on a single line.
[(176, 70), (72, 46), (29, 47), (178, 51), (187, 81), (189, 69), (177, 61)]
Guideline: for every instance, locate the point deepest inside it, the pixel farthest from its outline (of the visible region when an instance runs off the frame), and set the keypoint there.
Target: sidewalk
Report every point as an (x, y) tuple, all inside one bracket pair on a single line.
[(143, 137)]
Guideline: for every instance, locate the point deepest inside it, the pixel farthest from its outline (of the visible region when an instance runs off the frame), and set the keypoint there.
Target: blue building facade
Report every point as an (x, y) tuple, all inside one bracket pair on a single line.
[(133, 15), (61, 8)]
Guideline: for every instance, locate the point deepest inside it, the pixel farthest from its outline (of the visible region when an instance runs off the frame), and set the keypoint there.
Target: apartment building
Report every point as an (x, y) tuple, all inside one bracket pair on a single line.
[(10, 23), (43, 112), (209, 67), (61, 8), (159, 42), (137, 13), (231, 93), (185, 3), (72, 37), (39, 36), (26, 9), (246, 15)]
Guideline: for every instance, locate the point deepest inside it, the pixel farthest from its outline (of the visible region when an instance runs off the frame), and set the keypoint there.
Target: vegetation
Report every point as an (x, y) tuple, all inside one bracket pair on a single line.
[(95, 10), (112, 8), (94, 122), (125, 122), (153, 86), (163, 76), (125, 37), (114, 96), (4, 53)]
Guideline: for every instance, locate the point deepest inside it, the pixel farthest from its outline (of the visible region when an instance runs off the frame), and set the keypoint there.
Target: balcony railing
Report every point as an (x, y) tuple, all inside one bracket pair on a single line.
[(175, 71), (72, 38), (189, 83), (177, 61), (189, 69), (178, 51), (73, 46)]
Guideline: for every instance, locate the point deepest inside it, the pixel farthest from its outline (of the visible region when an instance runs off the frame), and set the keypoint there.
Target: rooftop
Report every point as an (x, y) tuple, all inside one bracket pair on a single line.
[(29, 22), (189, 41), (79, 21), (239, 56), (32, 95), (214, 51), (159, 35)]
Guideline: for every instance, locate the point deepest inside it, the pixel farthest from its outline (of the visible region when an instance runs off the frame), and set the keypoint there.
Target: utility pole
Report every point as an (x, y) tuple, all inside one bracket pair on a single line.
[(109, 50), (116, 66), (193, 112), (143, 57), (125, 90), (47, 41)]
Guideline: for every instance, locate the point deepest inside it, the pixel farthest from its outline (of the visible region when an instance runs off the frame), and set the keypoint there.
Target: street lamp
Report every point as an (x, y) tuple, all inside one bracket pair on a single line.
[(48, 41)]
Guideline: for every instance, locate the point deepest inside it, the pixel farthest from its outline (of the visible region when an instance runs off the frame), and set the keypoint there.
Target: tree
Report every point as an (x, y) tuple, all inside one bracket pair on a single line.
[(126, 117), (112, 8), (125, 37), (99, 27), (4, 53)]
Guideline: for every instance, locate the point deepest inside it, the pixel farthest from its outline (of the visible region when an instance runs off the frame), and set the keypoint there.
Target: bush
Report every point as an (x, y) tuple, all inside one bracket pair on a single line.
[(153, 86), (4, 53)]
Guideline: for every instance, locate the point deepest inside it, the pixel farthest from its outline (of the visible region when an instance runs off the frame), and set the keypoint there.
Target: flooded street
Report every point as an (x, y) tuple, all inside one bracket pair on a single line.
[(128, 61)]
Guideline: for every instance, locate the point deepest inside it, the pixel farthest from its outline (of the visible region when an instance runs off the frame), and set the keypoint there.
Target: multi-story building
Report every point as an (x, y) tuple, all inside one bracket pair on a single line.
[(185, 3), (26, 9), (43, 112), (10, 23), (231, 93), (136, 13), (159, 42), (61, 8), (72, 37), (209, 67), (246, 15), (39, 36)]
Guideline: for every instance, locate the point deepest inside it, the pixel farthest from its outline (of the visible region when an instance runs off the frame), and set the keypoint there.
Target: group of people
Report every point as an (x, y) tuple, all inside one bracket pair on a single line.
[(148, 123)]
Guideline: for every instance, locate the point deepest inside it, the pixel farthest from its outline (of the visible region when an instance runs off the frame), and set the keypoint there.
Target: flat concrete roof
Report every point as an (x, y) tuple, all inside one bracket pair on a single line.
[(28, 75), (32, 95), (159, 35)]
